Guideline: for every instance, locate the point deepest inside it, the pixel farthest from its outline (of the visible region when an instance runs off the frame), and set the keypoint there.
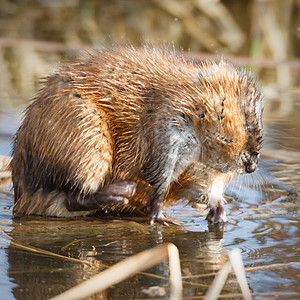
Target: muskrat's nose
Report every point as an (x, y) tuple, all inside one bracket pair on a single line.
[(251, 164), (250, 167)]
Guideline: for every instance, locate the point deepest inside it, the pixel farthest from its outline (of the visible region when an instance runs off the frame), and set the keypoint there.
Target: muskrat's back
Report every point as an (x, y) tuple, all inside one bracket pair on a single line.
[(155, 118)]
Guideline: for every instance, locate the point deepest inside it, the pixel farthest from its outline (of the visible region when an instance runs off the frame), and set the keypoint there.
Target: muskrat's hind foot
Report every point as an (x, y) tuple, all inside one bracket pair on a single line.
[(117, 193), (125, 189), (217, 214), (114, 194)]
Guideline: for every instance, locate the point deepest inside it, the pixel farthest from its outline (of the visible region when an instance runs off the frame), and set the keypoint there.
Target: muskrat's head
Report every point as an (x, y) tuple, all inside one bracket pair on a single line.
[(229, 118)]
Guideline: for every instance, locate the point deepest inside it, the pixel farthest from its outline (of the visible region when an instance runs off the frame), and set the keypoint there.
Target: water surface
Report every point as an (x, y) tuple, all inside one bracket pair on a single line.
[(263, 211)]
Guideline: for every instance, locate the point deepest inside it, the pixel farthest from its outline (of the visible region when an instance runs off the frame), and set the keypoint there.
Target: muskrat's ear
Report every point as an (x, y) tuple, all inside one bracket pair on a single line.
[(201, 111)]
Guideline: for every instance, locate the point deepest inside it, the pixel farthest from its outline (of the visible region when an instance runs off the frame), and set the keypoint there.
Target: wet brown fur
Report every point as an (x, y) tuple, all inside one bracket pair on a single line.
[(110, 118)]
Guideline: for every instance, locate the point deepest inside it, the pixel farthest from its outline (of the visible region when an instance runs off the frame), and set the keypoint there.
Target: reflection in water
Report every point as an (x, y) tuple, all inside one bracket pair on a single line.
[(104, 242)]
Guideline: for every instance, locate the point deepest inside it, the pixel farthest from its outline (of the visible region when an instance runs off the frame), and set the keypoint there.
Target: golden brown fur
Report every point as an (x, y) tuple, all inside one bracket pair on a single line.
[(155, 117)]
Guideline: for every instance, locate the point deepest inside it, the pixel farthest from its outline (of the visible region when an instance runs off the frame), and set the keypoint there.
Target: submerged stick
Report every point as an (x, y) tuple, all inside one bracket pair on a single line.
[(128, 268)]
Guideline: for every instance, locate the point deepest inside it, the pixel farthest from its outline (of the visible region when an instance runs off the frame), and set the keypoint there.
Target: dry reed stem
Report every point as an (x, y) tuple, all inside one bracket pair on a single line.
[(218, 283), (41, 45), (20, 245), (235, 262), (249, 269), (229, 32), (128, 268), (175, 272), (269, 295)]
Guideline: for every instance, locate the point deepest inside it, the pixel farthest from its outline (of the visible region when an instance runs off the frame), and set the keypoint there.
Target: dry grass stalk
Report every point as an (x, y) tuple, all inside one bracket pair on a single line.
[(20, 245), (175, 272), (218, 283), (235, 262), (249, 269), (128, 268), (229, 32)]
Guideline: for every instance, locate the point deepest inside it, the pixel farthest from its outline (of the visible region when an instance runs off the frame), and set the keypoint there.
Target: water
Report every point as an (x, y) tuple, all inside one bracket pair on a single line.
[(263, 212)]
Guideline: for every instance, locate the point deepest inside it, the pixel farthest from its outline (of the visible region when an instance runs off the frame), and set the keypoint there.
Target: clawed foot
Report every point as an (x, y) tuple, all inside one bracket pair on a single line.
[(156, 215), (161, 219), (155, 211), (217, 215), (112, 195)]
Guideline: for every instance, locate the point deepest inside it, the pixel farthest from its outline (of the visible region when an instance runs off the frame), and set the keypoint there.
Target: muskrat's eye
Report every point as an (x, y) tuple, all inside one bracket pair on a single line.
[(248, 127)]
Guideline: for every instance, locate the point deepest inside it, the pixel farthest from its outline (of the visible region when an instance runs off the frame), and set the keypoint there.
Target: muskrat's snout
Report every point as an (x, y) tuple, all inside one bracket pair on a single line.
[(250, 161)]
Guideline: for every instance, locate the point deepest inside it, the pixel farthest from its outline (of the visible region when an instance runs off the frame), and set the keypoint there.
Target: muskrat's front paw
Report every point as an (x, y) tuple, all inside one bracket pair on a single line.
[(217, 215)]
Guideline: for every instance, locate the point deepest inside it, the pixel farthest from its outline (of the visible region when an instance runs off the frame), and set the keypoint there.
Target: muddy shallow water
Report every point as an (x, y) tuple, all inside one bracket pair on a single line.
[(263, 212)]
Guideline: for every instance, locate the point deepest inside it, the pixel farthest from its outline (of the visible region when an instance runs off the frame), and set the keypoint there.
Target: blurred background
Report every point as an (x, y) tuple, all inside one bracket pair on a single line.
[(36, 36)]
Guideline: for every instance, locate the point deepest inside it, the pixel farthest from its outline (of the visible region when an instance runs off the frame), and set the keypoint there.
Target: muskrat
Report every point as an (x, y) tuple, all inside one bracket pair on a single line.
[(128, 126)]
